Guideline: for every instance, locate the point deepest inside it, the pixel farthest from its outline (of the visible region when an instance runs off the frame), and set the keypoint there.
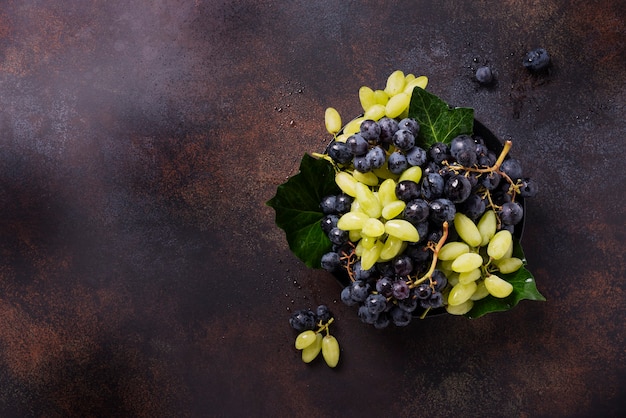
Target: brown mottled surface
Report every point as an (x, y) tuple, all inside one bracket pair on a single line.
[(141, 273)]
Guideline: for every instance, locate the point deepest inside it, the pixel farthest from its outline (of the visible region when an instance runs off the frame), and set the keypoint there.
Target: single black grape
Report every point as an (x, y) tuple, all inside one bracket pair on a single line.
[(328, 204), (346, 296), (537, 60), (340, 152), (439, 152), (423, 291), (384, 286), (407, 190), (408, 304), (329, 222), (473, 207), (512, 167), (366, 316), (331, 261), (511, 213), (303, 320), (359, 291), (439, 279), (403, 139), (410, 124), (401, 289), (337, 236), (375, 157), (370, 130), (432, 186), (458, 188), (416, 211), (397, 162), (343, 202), (442, 210), (403, 265), (416, 156), (400, 317), (382, 321), (528, 188), (484, 75), (490, 181), (323, 313), (358, 145), (376, 303), (388, 128), (361, 163)]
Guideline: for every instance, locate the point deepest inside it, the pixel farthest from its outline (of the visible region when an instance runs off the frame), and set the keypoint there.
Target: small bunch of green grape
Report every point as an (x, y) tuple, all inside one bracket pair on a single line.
[(473, 264), (392, 102), (311, 340)]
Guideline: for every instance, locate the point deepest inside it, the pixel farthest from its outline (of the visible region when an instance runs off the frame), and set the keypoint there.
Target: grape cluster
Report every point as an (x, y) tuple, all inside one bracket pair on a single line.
[(311, 325), (401, 201)]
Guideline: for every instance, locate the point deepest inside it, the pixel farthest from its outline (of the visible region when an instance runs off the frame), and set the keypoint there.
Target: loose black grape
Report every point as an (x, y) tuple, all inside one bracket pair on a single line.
[(537, 60), (484, 75), (323, 313)]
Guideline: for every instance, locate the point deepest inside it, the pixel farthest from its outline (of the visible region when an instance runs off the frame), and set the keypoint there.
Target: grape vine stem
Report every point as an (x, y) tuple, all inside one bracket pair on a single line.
[(433, 264)]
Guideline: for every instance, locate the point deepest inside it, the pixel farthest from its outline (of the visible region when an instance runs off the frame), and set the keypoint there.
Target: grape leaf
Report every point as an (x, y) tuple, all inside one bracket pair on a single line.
[(524, 287), (438, 121), (298, 213)]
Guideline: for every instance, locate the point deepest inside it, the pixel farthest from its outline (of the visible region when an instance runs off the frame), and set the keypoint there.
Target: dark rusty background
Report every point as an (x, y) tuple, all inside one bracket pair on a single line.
[(141, 273)]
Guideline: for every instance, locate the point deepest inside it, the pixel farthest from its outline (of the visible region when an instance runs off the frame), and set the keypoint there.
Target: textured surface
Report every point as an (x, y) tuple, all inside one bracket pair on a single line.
[(141, 273)]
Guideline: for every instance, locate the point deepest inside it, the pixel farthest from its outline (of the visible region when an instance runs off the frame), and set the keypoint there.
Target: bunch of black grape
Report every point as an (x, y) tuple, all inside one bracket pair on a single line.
[(464, 176)]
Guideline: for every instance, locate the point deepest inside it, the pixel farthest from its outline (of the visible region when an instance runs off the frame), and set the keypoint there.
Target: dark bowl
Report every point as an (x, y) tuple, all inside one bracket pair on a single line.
[(494, 144)]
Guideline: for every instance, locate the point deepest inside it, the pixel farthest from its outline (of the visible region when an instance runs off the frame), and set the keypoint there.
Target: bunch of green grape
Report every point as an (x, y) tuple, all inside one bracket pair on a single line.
[(472, 264)]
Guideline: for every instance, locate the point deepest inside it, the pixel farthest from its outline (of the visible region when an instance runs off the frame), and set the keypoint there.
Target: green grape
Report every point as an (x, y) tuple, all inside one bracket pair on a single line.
[(310, 352), (453, 277), (497, 287), (368, 201), (305, 339), (481, 291), (470, 276), (353, 126), (368, 178), (367, 242), (467, 230), (460, 293), (366, 97), (397, 104), (330, 350), (381, 97), (370, 256), (393, 209), (487, 226), (467, 262), (346, 183), (375, 112), (387, 192), (373, 228), (384, 173), (500, 244), (332, 120), (352, 221), (452, 250), (391, 248), (460, 309), (421, 82), (395, 83), (354, 235), (412, 173), (402, 229), (509, 264)]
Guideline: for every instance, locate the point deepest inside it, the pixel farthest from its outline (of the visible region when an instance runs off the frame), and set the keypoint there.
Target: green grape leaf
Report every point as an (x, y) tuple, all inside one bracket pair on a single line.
[(298, 212), (438, 121), (524, 287)]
